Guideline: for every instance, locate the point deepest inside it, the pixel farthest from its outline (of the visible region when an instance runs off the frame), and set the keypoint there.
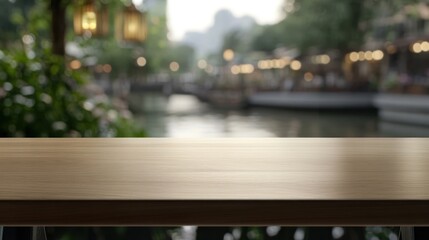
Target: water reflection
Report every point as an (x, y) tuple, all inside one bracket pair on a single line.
[(186, 116)]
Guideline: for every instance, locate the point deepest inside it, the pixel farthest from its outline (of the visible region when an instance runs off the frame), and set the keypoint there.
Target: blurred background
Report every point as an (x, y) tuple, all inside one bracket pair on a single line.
[(213, 233), (189, 68), (214, 68)]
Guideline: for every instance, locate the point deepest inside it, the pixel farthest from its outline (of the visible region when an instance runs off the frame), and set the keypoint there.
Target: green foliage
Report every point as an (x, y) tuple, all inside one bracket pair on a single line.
[(382, 233), (269, 38), (122, 56), (122, 60), (323, 24), (239, 41), (157, 45), (41, 97), (124, 127), (183, 54), (16, 12), (30, 16), (232, 40), (393, 6), (315, 24)]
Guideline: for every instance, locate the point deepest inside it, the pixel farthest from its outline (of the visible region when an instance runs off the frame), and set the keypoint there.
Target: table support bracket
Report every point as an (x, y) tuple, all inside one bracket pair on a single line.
[(407, 233)]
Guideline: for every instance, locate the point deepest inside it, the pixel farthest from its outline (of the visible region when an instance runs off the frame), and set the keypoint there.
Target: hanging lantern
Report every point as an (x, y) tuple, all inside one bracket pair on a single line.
[(91, 19), (131, 25)]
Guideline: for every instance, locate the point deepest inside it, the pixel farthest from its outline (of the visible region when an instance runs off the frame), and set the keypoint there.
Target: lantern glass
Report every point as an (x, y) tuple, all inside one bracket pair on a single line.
[(90, 19), (131, 25)]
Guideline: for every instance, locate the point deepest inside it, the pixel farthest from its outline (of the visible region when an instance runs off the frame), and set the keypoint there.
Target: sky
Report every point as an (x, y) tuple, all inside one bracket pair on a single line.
[(198, 15)]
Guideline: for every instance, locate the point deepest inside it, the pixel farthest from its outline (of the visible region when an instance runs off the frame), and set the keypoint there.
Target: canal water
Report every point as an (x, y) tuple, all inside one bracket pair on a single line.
[(185, 116)]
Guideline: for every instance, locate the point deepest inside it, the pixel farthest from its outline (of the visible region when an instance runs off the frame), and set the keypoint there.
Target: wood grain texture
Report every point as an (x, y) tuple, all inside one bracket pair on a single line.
[(302, 178)]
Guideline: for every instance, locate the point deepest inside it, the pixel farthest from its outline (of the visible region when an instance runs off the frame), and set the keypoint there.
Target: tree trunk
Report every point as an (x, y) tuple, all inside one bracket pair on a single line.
[(58, 26)]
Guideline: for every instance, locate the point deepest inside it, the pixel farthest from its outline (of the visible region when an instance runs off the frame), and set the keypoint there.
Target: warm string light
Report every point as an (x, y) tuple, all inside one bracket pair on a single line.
[(295, 65), (75, 64), (242, 69), (419, 47), (174, 66), (202, 64), (141, 61), (266, 64), (308, 76), (106, 68), (321, 59), (361, 56), (273, 63), (228, 55)]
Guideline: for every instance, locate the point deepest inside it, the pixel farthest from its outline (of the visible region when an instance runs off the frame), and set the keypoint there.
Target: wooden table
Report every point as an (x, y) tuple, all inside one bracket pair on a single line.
[(306, 181)]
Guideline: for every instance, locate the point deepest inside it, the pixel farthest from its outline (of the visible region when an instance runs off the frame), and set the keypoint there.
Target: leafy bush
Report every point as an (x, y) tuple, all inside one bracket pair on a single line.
[(41, 97)]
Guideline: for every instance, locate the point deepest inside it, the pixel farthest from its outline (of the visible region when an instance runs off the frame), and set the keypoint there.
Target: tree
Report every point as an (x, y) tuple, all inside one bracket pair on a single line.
[(183, 54), (234, 40), (269, 38), (157, 45), (41, 96), (18, 13), (323, 24), (58, 25)]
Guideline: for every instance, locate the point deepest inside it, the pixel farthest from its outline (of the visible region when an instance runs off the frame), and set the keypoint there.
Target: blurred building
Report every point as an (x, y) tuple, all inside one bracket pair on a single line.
[(211, 40), (410, 21), (404, 37)]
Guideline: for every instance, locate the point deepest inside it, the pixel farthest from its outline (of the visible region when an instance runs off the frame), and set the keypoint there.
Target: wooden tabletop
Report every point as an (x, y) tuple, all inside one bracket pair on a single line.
[(305, 181)]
